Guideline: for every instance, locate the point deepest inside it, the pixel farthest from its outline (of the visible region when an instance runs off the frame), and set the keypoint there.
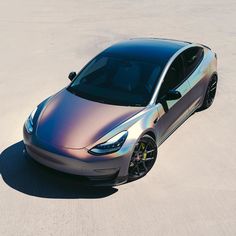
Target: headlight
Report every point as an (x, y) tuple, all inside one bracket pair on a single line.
[(29, 121), (112, 145)]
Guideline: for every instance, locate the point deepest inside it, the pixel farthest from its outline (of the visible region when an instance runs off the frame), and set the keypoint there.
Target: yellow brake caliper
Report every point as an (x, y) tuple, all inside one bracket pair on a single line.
[(145, 152)]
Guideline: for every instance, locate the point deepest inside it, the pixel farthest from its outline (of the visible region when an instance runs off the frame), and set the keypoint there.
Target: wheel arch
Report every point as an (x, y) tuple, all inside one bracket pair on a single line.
[(214, 74), (151, 134)]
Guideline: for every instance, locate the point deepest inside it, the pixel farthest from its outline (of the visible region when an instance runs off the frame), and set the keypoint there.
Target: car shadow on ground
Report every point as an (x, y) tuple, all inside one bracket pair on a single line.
[(25, 175)]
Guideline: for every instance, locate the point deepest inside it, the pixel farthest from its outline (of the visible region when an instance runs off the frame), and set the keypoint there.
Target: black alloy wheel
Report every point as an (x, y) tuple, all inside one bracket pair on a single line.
[(210, 93), (143, 158)]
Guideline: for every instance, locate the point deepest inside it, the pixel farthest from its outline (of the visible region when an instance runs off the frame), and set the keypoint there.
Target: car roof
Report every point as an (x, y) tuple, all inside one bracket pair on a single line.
[(146, 49)]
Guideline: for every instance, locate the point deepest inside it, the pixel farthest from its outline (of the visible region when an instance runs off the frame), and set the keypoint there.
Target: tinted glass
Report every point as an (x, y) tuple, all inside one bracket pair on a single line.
[(117, 81), (192, 57), (173, 78)]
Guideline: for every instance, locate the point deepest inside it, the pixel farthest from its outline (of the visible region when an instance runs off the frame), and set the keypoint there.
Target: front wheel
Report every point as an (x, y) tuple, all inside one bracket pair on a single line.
[(143, 158)]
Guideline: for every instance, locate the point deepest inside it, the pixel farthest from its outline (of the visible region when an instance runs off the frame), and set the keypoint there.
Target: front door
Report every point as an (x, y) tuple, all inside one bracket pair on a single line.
[(172, 113)]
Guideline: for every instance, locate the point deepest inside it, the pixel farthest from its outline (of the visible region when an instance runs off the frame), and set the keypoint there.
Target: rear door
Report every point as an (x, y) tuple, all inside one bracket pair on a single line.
[(172, 113), (192, 59)]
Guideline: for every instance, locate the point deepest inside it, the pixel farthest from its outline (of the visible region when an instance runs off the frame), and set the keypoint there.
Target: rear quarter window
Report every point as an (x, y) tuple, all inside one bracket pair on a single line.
[(192, 58)]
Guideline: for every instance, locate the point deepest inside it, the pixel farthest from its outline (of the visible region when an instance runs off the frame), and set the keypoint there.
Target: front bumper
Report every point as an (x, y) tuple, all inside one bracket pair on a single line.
[(98, 170)]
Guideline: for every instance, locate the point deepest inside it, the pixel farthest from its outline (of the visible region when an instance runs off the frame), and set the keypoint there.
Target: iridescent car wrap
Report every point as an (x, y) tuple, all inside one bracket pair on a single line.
[(65, 127)]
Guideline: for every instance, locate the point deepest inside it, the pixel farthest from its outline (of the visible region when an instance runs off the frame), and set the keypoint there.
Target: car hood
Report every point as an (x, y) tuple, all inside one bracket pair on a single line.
[(70, 121)]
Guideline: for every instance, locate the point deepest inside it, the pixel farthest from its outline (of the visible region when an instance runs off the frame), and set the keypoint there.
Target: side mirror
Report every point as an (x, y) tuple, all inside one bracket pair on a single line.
[(72, 75), (172, 95)]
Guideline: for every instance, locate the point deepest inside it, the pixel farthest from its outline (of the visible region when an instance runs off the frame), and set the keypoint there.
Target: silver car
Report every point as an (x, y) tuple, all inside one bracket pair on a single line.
[(109, 122)]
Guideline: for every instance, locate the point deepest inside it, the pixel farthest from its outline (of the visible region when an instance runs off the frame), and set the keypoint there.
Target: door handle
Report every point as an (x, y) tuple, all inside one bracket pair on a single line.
[(155, 121)]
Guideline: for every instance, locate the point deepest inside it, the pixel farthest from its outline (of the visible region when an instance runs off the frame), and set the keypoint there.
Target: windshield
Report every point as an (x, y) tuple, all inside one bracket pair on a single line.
[(117, 81)]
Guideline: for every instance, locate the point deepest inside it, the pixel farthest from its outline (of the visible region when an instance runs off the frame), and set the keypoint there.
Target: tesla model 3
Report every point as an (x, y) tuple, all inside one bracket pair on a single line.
[(108, 123)]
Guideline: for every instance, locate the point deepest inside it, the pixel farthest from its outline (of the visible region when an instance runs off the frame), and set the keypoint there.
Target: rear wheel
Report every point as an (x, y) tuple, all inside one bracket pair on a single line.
[(210, 93), (143, 158)]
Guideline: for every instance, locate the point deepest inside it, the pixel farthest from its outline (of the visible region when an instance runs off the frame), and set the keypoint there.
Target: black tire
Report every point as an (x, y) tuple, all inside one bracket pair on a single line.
[(210, 93), (143, 158)]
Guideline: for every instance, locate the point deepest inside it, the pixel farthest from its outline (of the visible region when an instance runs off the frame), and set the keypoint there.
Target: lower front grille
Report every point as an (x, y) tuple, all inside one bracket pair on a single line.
[(103, 177)]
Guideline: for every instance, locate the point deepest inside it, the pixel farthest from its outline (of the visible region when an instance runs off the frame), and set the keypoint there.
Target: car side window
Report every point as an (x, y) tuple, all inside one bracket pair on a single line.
[(173, 78), (192, 57)]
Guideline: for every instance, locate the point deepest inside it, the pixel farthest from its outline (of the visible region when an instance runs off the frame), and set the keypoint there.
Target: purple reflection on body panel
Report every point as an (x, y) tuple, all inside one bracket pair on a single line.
[(73, 122)]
